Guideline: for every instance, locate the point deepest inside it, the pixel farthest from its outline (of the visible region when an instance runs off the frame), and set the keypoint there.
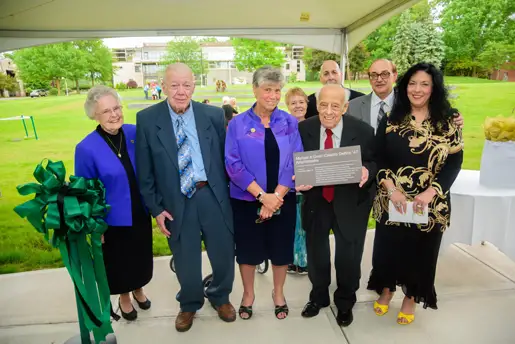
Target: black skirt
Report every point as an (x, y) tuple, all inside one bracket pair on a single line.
[(406, 257), (127, 250), (128, 257), (272, 239)]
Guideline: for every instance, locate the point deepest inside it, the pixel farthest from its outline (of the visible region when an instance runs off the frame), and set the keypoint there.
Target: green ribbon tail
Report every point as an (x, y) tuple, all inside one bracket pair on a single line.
[(67, 260), (92, 297), (73, 213), (103, 286)]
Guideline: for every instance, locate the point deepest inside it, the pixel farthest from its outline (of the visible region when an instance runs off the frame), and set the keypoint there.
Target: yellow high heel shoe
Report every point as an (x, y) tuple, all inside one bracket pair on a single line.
[(383, 308), (408, 317)]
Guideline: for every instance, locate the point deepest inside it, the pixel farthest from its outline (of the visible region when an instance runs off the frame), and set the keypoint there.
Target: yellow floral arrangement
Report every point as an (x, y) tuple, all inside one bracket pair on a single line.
[(500, 129)]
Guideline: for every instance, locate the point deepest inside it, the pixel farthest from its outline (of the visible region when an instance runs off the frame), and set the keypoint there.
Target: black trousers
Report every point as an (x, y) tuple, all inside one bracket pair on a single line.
[(347, 259)]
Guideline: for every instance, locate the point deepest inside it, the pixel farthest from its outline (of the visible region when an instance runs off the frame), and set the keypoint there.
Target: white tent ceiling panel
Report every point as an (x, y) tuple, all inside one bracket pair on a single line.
[(317, 24)]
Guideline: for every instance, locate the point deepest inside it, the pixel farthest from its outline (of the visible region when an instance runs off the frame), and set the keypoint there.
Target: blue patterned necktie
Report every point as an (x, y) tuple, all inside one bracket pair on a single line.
[(185, 162)]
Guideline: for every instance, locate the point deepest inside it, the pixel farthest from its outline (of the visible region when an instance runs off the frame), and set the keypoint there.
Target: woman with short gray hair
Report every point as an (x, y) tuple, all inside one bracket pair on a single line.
[(259, 160), (108, 154)]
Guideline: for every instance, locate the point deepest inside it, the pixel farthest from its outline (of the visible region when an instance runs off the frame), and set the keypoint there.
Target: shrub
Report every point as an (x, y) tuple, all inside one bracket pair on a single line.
[(53, 91), (132, 84), (292, 77), (121, 86)]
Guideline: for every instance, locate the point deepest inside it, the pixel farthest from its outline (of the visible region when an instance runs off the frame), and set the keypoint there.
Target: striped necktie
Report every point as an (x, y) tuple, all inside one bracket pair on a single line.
[(382, 113), (185, 161)]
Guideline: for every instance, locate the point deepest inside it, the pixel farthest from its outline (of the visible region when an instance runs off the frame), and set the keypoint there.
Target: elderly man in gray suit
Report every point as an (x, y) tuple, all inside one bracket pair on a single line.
[(180, 166), (372, 107)]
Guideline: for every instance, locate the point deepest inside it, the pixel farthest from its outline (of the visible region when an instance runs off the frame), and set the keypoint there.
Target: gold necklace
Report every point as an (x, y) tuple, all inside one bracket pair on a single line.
[(121, 140)]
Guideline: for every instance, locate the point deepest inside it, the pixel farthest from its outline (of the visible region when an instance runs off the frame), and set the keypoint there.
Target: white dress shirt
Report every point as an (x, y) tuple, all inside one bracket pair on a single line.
[(337, 133), (375, 105)]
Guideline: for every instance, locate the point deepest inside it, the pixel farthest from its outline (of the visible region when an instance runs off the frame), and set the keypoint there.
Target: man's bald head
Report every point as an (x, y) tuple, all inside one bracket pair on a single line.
[(329, 64), (334, 91), (330, 73), (178, 68)]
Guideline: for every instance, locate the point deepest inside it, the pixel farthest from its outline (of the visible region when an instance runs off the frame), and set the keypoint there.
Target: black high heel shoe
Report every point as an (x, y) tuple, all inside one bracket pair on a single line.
[(143, 305), (280, 308), (131, 316), (246, 310)]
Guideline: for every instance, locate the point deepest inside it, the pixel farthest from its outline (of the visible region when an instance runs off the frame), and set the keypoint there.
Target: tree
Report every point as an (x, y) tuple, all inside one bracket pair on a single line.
[(7, 83), (314, 58), (417, 42), (78, 63), (403, 43), (468, 26), (428, 43), (495, 55), (97, 61), (251, 54), (357, 59), (208, 40), (380, 42), (46, 63), (186, 50)]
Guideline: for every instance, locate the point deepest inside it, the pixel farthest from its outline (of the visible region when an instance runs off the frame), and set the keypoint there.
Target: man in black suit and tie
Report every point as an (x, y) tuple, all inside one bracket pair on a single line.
[(330, 74), (343, 208), (180, 165)]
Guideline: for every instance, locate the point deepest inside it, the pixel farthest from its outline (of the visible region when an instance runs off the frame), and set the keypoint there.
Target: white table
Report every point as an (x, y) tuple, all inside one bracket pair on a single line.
[(481, 214)]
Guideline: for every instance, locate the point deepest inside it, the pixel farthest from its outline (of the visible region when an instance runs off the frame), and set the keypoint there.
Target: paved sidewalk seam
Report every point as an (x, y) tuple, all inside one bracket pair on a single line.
[(484, 263)]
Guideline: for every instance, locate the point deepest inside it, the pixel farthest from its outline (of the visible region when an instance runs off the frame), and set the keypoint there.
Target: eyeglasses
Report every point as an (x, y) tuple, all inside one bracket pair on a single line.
[(384, 75), (115, 110)]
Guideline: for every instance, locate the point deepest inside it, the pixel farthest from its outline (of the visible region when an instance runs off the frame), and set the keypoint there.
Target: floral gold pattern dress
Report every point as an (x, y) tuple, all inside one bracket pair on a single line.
[(415, 157)]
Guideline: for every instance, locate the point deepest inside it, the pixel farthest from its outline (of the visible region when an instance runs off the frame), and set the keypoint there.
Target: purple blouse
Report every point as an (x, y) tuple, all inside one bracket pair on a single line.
[(245, 151)]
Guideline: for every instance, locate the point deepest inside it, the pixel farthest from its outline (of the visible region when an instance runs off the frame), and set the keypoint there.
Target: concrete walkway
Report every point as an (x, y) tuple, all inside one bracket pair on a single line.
[(475, 286)]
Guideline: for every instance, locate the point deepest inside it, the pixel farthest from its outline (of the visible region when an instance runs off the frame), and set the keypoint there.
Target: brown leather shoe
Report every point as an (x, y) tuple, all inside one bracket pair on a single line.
[(226, 312), (184, 321)]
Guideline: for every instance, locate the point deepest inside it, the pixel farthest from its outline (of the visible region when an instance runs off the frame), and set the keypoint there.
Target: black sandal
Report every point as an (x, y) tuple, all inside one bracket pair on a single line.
[(281, 309), (246, 310)]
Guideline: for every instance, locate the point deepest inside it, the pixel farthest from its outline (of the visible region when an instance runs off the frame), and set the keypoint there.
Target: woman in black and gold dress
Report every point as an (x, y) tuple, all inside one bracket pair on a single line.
[(419, 155)]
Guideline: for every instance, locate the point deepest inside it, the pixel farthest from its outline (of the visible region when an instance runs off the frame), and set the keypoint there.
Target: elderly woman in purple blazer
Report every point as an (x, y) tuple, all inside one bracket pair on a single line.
[(259, 161), (107, 153)]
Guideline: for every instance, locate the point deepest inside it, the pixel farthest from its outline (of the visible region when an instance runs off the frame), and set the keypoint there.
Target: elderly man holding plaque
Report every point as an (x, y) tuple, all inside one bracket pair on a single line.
[(343, 206)]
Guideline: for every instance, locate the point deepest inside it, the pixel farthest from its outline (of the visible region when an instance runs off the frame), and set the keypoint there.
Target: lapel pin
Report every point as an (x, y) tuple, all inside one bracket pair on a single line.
[(252, 130), (132, 141)]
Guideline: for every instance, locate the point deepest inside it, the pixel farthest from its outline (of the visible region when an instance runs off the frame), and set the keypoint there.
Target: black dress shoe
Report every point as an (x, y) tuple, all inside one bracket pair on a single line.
[(143, 305), (132, 315), (344, 318), (311, 309)]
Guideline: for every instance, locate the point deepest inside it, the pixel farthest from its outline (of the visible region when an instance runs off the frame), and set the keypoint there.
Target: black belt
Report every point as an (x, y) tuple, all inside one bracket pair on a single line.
[(200, 185)]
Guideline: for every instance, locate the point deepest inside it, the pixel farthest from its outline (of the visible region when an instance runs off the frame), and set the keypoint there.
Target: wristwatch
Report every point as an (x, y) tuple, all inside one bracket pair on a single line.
[(259, 196)]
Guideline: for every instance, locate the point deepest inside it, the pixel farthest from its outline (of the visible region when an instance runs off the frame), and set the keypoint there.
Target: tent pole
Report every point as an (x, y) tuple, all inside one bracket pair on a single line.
[(344, 50)]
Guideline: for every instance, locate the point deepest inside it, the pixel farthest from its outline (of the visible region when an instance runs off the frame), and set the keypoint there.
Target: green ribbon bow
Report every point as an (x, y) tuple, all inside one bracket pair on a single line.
[(74, 210)]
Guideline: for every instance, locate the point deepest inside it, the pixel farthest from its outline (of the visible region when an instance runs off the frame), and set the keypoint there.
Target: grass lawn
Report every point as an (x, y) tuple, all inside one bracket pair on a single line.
[(61, 124)]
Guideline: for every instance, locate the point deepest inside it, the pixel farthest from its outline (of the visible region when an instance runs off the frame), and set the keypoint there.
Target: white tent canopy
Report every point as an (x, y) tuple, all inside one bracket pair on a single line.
[(330, 25)]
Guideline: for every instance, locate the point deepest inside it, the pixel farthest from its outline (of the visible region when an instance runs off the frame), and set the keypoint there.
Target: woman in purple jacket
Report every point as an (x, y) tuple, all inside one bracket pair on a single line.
[(259, 160), (107, 153)]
